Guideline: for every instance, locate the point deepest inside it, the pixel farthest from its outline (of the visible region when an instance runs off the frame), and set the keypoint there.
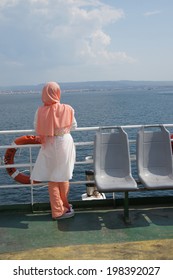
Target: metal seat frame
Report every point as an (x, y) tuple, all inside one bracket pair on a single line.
[(112, 165)]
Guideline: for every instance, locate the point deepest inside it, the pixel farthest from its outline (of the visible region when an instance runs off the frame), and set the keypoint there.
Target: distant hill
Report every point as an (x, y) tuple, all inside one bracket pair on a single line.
[(93, 85)]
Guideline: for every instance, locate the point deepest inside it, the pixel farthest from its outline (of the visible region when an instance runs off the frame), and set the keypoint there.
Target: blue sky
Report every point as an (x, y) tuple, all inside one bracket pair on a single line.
[(85, 40)]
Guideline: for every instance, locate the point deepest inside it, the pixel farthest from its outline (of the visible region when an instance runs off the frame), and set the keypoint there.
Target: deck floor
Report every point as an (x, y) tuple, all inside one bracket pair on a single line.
[(90, 234)]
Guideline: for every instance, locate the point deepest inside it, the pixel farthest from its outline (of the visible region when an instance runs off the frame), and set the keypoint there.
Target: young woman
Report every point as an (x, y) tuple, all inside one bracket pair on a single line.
[(56, 158)]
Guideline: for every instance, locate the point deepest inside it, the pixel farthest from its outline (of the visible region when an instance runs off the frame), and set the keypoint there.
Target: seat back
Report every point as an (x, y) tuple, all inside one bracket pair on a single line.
[(154, 154), (111, 153)]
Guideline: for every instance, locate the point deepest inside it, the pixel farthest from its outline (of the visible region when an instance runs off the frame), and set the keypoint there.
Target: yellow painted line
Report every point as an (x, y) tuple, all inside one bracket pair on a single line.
[(142, 250)]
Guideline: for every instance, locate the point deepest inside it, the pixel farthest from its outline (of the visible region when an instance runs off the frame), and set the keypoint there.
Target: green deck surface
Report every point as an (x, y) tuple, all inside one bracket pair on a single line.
[(95, 234)]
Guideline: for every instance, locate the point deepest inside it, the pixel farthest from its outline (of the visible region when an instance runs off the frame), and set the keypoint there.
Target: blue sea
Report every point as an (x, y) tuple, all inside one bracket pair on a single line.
[(95, 104)]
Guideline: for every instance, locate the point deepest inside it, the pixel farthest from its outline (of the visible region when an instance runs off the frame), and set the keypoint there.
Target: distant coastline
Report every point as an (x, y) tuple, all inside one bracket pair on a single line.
[(90, 85)]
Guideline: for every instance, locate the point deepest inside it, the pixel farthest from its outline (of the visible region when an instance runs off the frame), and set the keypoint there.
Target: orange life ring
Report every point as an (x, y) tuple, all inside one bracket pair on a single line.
[(9, 158)]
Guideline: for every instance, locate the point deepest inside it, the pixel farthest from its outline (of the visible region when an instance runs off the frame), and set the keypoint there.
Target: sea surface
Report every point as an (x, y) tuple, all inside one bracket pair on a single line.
[(94, 105)]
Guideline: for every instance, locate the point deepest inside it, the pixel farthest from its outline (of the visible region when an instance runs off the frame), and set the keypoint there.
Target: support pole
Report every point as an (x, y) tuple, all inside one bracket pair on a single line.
[(126, 207)]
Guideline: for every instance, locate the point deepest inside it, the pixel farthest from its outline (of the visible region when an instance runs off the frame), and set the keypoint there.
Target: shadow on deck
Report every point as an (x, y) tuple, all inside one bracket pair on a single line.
[(90, 234)]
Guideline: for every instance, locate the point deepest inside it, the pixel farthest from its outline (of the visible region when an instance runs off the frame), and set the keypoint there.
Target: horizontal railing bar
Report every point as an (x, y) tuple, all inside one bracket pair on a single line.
[(86, 182), (29, 164), (17, 131), (89, 143), (44, 184), (82, 128), (15, 165), (13, 146)]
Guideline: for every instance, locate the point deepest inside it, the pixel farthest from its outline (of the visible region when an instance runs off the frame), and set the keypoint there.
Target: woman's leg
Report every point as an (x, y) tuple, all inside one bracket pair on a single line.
[(64, 190), (57, 205)]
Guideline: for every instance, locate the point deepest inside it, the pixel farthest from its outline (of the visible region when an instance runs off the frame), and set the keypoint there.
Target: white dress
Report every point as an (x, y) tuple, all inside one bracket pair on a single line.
[(56, 159)]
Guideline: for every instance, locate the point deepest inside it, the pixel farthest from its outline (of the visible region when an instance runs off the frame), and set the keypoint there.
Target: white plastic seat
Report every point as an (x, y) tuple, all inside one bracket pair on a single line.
[(154, 158), (112, 162)]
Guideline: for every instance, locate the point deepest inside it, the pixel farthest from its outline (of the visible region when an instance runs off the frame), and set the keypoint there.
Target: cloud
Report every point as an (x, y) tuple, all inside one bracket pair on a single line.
[(152, 13), (50, 33), (95, 50), (8, 3)]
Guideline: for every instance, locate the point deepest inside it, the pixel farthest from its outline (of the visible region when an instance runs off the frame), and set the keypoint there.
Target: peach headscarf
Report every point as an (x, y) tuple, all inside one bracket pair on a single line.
[(53, 115)]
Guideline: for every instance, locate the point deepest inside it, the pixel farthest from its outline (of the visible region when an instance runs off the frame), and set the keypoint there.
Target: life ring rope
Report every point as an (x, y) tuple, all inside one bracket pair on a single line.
[(10, 154)]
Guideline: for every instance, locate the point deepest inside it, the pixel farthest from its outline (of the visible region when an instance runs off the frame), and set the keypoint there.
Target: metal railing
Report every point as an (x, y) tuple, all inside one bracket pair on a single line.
[(30, 164)]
